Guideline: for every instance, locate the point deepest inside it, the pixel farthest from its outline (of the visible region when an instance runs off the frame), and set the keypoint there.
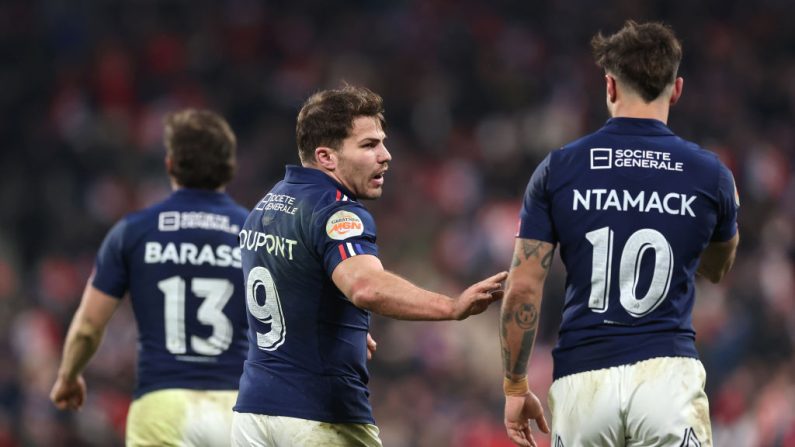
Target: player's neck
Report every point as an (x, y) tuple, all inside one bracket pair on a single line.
[(176, 186), (638, 109), (328, 172), (625, 103)]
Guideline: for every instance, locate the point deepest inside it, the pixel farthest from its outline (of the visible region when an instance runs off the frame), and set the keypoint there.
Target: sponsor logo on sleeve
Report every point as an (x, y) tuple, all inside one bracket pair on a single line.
[(344, 224)]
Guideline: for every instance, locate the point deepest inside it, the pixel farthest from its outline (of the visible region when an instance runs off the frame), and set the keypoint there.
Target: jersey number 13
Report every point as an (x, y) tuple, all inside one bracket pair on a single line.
[(216, 293)]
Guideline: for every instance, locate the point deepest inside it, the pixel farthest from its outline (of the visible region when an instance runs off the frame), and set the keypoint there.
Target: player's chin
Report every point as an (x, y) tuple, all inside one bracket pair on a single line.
[(373, 193)]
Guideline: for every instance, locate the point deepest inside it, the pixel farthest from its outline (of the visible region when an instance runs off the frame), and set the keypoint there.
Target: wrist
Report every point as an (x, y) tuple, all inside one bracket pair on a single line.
[(515, 387), (452, 310), (66, 376)]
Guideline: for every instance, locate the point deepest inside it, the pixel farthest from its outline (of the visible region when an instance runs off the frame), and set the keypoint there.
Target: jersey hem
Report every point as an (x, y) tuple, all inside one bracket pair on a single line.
[(312, 416), (204, 386), (563, 369)]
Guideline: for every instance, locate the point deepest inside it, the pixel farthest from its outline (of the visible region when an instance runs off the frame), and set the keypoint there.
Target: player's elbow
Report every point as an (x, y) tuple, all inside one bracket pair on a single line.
[(714, 270), (712, 276), (364, 294), (714, 273), (717, 259), (89, 332)]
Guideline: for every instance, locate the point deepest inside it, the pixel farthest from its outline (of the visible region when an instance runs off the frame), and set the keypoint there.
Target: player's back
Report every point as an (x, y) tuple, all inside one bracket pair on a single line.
[(180, 261), (632, 207), (308, 341)]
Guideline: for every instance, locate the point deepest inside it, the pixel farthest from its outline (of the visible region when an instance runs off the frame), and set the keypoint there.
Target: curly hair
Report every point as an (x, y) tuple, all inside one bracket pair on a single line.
[(645, 56)]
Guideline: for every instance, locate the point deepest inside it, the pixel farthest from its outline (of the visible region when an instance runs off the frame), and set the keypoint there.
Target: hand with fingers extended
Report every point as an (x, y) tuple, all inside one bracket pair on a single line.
[(519, 409), (477, 298), (68, 394)]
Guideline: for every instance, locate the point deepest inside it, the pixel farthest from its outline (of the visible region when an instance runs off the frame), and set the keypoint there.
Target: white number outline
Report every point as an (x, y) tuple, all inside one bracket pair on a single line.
[(270, 312), (629, 270), (215, 293), (602, 241)]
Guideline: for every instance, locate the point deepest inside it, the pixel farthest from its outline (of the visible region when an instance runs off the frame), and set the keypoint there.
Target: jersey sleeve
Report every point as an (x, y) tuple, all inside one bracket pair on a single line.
[(728, 203), (110, 269), (344, 231), (535, 220)]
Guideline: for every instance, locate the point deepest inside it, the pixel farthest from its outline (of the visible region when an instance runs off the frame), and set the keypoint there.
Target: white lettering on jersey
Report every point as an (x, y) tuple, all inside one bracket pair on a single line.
[(277, 202), (606, 158), (188, 253), (177, 220), (612, 200), (274, 245), (675, 204)]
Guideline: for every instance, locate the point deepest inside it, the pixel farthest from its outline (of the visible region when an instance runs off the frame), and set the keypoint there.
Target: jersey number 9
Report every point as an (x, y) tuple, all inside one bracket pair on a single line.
[(269, 312)]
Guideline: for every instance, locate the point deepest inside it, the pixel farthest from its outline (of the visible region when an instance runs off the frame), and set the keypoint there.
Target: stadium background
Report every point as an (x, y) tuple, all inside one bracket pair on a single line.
[(476, 94)]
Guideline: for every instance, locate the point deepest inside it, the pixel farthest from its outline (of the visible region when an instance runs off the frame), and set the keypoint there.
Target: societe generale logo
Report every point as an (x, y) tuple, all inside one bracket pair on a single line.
[(344, 224), (601, 158)]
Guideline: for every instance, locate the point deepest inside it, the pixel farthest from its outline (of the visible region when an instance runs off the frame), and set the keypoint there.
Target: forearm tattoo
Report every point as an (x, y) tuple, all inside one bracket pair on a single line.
[(521, 319), (525, 317), (535, 249), (520, 367)]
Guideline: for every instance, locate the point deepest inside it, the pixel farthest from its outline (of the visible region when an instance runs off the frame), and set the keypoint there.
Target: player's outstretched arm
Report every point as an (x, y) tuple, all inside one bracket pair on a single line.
[(82, 340), (718, 258), (365, 282), (518, 325)]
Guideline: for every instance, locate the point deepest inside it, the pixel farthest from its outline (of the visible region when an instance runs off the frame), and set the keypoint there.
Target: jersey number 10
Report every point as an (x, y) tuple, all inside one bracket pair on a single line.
[(629, 270)]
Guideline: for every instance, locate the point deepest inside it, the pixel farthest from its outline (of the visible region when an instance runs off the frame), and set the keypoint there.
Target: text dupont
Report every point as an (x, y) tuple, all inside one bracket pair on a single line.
[(274, 245), (609, 199)]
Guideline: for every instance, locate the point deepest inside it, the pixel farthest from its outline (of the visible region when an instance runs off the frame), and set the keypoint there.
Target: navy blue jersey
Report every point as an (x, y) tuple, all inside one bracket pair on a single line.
[(180, 261), (632, 206), (308, 345)]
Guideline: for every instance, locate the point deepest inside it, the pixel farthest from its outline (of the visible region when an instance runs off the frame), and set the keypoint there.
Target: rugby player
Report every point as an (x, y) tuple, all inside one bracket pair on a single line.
[(638, 213), (312, 278), (179, 260)]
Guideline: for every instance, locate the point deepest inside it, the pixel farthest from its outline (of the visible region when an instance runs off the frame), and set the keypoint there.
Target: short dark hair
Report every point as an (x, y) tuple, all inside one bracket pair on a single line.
[(645, 56), (326, 118), (201, 146)]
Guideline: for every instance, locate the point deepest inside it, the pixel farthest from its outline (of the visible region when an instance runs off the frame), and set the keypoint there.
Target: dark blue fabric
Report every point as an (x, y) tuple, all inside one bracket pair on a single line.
[(632, 181), (181, 254), (312, 363)]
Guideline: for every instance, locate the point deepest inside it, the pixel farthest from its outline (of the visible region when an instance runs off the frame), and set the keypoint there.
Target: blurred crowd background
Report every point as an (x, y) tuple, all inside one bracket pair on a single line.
[(477, 93)]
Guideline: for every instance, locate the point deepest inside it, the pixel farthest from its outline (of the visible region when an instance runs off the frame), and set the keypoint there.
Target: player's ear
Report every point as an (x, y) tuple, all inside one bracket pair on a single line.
[(610, 88), (676, 93), (326, 157), (169, 165)]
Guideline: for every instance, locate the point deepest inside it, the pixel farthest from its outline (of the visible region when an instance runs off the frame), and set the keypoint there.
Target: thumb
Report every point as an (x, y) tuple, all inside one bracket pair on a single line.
[(541, 421)]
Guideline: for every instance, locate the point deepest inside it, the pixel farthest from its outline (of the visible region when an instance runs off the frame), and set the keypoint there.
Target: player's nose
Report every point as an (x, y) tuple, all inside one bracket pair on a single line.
[(384, 155)]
